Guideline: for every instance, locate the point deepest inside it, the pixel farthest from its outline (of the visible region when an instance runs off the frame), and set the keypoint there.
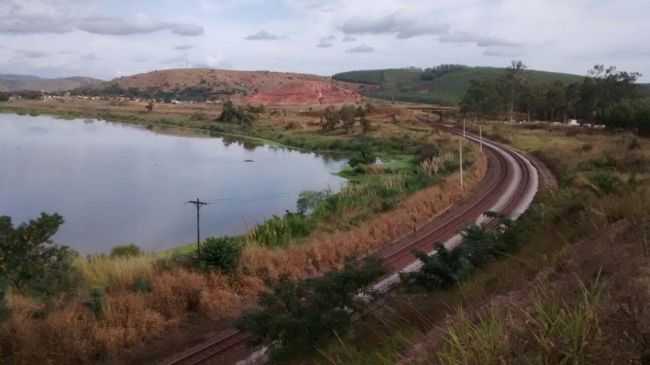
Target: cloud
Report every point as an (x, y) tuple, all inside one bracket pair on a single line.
[(89, 57), (34, 25), (481, 41), (326, 42), (397, 23), (183, 47), (39, 19), (361, 49), (263, 35), (501, 52), (121, 27), (348, 39), (32, 54)]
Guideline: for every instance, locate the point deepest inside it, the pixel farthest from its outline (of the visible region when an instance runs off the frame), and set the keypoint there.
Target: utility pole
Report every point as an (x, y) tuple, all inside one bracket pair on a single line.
[(460, 148), (198, 205), (464, 130)]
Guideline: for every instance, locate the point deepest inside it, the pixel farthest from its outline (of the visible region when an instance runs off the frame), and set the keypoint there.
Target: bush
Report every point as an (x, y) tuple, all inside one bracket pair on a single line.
[(220, 253), (4, 288), (298, 315), (440, 271), (130, 250), (364, 157), (236, 115), (96, 301), (480, 246), (279, 231), (606, 182), (31, 262)]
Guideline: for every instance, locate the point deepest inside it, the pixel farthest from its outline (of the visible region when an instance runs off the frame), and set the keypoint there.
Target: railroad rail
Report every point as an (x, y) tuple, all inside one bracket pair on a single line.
[(509, 186)]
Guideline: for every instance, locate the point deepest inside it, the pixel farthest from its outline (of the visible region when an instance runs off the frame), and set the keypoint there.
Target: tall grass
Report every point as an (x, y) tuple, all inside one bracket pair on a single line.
[(116, 272)]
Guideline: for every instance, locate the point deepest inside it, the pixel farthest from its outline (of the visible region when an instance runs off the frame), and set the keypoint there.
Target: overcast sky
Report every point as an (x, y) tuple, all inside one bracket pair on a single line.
[(106, 39)]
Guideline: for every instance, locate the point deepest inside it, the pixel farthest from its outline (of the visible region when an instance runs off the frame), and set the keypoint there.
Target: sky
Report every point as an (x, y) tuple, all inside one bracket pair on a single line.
[(108, 39)]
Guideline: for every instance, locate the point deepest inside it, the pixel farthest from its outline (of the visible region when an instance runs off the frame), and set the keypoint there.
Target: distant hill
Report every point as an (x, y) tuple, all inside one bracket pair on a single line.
[(416, 85), (256, 87), (26, 82)]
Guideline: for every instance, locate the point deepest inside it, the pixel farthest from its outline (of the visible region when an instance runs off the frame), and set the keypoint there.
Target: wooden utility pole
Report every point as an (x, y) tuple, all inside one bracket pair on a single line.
[(460, 148), (198, 205)]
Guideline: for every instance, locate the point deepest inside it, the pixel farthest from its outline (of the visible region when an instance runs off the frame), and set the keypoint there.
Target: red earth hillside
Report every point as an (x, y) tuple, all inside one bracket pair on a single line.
[(254, 87)]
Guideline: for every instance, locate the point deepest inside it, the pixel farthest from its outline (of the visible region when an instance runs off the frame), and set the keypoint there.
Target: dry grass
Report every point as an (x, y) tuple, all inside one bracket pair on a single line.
[(116, 272), (326, 251)]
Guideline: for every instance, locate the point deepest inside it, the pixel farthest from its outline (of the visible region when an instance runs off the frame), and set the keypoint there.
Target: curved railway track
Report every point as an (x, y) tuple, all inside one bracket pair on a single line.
[(509, 186)]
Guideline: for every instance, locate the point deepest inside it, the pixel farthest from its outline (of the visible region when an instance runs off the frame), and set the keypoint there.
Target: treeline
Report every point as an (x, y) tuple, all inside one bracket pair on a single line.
[(430, 74), (192, 93), (606, 96)]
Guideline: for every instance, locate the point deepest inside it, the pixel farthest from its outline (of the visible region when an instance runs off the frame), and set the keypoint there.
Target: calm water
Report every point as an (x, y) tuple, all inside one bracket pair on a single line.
[(116, 184)]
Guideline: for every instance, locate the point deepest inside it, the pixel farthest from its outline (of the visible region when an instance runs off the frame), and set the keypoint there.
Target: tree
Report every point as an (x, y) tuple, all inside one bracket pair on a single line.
[(130, 250), (348, 114), (4, 96), (296, 316), (514, 77), (330, 119), (220, 253), (236, 115), (30, 261), (482, 97), (149, 107)]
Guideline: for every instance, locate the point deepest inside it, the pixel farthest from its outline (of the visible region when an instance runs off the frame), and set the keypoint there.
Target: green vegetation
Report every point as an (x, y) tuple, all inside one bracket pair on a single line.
[(480, 246), (240, 116), (220, 253), (607, 96), (130, 250), (445, 84), (296, 316), (30, 262), (546, 289)]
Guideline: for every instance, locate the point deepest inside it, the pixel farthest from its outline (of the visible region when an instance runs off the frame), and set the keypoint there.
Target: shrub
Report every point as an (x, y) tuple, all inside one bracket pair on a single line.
[(129, 250), (440, 271), (220, 253), (198, 116), (4, 287), (480, 246), (278, 231), (297, 315), (236, 115), (364, 157), (30, 261), (96, 301), (606, 182)]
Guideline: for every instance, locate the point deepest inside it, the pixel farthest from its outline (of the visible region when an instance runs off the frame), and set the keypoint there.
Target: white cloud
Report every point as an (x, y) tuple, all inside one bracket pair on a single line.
[(361, 49), (263, 35), (398, 23)]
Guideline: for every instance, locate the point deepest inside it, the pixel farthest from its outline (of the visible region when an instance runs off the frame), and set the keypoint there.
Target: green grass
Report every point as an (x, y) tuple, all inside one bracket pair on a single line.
[(406, 85)]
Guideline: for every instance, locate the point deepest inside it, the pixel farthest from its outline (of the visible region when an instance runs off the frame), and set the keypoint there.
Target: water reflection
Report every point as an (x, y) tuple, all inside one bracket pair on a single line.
[(116, 184)]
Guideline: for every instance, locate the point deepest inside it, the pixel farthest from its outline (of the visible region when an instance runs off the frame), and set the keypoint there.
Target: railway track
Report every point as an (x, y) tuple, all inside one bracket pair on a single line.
[(509, 186)]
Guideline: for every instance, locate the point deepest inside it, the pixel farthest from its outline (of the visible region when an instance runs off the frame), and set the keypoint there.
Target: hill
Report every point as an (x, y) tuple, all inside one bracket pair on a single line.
[(27, 82), (257, 87), (445, 86)]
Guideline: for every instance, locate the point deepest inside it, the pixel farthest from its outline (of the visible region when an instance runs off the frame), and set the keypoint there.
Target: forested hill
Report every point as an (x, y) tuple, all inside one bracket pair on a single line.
[(445, 84)]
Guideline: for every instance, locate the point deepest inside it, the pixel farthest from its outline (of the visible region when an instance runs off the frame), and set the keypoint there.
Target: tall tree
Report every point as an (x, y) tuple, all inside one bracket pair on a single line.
[(514, 77)]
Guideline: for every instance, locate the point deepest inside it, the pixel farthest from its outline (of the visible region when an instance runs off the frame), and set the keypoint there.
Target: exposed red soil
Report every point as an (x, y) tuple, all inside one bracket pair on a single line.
[(255, 87)]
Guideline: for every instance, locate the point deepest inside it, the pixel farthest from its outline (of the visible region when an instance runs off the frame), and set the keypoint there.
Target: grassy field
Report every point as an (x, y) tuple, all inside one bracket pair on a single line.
[(560, 298), (407, 85)]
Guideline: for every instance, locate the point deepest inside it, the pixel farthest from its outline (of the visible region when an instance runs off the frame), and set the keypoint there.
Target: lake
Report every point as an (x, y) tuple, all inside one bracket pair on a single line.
[(117, 184)]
